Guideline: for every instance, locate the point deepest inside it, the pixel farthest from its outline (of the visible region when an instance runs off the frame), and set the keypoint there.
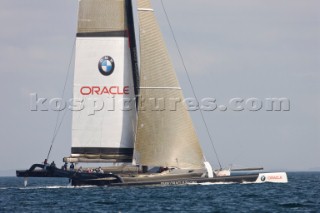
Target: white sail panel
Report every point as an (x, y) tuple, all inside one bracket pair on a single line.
[(165, 133), (104, 122), (104, 114)]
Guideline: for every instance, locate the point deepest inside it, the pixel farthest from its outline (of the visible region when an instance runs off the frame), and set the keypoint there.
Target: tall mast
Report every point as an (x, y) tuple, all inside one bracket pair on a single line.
[(133, 46)]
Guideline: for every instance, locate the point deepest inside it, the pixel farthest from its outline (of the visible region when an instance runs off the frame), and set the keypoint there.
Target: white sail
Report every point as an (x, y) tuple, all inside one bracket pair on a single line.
[(104, 122), (165, 133)]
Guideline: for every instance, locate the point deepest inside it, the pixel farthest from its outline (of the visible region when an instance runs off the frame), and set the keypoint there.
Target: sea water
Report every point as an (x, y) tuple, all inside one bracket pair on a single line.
[(301, 194)]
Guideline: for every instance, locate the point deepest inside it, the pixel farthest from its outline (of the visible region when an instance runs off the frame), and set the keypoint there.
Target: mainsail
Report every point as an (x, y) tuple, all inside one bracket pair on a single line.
[(104, 117), (165, 133)]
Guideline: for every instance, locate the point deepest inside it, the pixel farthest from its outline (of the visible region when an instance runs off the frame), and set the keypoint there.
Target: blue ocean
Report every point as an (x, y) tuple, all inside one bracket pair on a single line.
[(301, 194)]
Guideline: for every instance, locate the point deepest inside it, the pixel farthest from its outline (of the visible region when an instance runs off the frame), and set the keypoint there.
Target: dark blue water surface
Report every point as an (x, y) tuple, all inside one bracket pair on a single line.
[(301, 194)]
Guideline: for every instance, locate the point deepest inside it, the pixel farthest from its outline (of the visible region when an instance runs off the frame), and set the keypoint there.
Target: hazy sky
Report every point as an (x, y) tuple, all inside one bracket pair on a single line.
[(232, 49)]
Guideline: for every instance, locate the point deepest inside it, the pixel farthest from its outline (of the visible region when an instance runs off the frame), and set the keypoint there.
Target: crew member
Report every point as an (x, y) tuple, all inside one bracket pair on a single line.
[(72, 167), (45, 163), (53, 164), (65, 166), (100, 170)]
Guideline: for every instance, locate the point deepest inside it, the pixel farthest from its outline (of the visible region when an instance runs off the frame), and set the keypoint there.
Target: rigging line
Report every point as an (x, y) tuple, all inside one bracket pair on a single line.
[(189, 79), (57, 125), (54, 137)]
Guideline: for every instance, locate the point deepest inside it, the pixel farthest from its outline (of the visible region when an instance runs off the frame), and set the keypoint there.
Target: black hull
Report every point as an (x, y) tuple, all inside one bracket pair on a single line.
[(170, 182), (74, 176), (97, 179)]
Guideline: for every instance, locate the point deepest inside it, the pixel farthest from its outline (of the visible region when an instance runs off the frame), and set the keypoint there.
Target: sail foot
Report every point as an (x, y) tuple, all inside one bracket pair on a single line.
[(97, 159), (99, 155)]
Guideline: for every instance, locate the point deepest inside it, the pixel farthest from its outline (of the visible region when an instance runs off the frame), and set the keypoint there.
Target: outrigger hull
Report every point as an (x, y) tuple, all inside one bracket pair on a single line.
[(39, 170)]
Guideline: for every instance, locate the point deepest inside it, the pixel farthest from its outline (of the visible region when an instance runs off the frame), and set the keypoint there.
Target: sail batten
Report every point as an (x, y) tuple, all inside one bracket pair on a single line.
[(165, 133)]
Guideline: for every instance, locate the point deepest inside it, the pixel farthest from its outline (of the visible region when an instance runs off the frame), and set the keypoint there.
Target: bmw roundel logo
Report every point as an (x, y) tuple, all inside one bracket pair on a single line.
[(263, 178), (106, 65)]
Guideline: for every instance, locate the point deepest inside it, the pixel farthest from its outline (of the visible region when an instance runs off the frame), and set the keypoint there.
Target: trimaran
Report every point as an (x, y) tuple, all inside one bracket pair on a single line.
[(135, 134)]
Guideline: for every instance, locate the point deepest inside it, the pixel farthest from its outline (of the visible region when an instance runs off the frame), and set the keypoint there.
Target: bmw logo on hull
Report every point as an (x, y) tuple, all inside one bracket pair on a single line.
[(106, 65)]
